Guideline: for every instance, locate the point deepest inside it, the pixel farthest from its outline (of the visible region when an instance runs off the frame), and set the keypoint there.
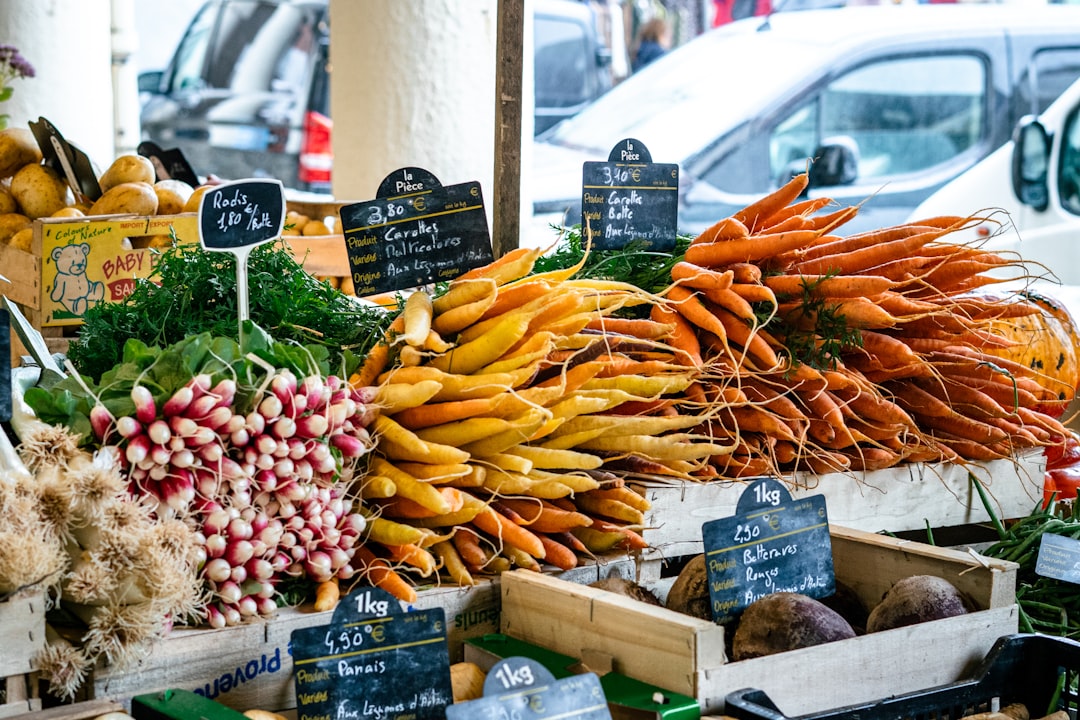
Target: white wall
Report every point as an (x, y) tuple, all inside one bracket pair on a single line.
[(68, 43)]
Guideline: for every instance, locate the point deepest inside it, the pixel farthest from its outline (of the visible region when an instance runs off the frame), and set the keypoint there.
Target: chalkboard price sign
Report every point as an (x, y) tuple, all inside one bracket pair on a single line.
[(415, 232), (519, 687), (1059, 558), (772, 544), (373, 661), (241, 214), (5, 366), (630, 198)]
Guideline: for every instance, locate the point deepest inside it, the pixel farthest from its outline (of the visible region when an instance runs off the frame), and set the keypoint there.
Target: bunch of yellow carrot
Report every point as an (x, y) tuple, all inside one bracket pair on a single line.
[(856, 352), (499, 403)]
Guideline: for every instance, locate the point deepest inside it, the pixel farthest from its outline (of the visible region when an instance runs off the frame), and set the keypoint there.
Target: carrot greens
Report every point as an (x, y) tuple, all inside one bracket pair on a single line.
[(194, 291)]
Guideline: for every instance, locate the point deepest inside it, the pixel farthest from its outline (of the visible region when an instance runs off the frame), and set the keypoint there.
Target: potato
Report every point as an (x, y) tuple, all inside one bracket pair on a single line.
[(69, 212), (134, 198), (11, 223), (917, 599), (40, 191), (466, 681), (192, 204), (315, 227), (172, 196), (689, 594), (7, 201), (629, 588), (783, 621), (17, 149), (23, 239), (294, 223), (127, 169)]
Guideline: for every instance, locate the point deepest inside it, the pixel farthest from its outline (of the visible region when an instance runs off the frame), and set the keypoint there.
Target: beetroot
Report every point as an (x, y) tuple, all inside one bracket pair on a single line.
[(783, 621)]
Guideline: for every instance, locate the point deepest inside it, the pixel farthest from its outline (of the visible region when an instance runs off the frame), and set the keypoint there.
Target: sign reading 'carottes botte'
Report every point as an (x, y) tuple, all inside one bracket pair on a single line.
[(630, 199)]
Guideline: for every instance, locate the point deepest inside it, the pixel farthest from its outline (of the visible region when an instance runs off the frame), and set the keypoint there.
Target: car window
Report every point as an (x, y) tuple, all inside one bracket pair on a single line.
[(907, 114), (900, 115), (1049, 73), (1069, 169), (253, 47), (190, 56), (562, 54)]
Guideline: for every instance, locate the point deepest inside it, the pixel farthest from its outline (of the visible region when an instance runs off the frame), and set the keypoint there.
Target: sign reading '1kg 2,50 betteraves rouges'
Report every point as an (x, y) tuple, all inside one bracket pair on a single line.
[(630, 199), (415, 232), (373, 661), (771, 544)]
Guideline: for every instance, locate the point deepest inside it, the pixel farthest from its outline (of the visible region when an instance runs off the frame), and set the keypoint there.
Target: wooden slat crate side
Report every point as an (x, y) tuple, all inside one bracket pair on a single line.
[(684, 657), (23, 272), (22, 632), (320, 254), (870, 563), (569, 619), (906, 497), (20, 692), (205, 660), (74, 711), (866, 668)]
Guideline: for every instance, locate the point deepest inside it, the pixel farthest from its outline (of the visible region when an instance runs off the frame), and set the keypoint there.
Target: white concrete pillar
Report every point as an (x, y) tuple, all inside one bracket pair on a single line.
[(125, 76), (68, 43), (412, 84)]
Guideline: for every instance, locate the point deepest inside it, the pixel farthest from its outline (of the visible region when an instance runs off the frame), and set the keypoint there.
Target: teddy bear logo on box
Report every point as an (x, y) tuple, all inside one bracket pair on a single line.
[(72, 289)]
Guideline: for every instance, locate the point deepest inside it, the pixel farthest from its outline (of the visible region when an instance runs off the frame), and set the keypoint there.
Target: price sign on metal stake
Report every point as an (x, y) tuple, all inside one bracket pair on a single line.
[(238, 216)]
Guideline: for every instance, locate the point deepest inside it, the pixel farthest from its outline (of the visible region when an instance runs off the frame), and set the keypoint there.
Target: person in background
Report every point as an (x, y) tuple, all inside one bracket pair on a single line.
[(654, 39)]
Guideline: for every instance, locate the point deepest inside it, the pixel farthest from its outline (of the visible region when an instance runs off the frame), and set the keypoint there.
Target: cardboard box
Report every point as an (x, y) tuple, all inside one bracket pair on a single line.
[(22, 636), (250, 666), (905, 497), (75, 263), (687, 655)]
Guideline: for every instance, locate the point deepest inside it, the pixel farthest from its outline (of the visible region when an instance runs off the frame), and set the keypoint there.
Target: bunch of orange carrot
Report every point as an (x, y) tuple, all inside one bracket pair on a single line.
[(835, 352), (500, 402)]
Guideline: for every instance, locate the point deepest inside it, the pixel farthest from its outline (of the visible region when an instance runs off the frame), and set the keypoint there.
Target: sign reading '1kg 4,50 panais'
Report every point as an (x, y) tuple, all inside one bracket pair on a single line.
[(415, 232), (629, 199), (772, 544), (373, 661)]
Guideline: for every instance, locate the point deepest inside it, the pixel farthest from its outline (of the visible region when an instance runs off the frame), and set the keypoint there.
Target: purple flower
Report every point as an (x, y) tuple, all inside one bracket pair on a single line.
[(17, 65)]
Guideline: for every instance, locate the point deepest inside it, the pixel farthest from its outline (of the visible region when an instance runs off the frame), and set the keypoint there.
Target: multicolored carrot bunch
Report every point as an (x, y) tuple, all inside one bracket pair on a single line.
[(505, 402), (833, 353)]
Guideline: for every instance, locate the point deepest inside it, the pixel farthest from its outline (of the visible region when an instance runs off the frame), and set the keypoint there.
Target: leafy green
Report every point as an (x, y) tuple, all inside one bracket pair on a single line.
[(163, 370), (816, 333), (193, 291), (647, 269)]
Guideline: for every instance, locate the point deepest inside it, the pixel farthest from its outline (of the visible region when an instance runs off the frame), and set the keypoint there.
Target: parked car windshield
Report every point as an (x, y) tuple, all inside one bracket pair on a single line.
[(256, 47), (676, 104)]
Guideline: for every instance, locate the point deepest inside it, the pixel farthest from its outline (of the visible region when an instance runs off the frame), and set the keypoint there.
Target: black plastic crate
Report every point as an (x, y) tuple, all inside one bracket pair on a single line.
[(1035, 670)]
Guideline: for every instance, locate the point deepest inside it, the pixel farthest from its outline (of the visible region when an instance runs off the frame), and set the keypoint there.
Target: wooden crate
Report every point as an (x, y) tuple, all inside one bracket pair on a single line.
[(687, 655), (22, 636), (115, 255), (906, 497), (81, 261), (250, 666)]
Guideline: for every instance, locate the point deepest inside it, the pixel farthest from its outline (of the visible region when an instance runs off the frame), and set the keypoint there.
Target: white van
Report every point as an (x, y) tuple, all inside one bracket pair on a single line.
[(1033, 185)]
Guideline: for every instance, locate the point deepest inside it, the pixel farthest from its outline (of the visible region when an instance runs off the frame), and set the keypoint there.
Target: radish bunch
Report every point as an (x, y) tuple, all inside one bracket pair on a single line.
[(260, 474)]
